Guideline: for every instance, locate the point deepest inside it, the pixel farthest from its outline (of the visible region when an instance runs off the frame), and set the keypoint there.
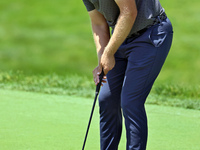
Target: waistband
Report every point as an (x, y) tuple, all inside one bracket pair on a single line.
[(157, 20), (160, 18)]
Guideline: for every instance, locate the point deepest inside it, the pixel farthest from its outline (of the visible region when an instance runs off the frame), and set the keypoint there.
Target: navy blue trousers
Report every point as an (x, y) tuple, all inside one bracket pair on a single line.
[(138, 63)]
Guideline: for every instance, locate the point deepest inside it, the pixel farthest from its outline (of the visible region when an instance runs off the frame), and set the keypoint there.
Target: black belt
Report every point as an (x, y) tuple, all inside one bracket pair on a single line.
[(160, 18)]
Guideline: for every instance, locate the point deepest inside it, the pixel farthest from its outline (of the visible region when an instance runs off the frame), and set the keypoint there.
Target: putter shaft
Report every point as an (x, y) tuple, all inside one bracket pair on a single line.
[(95, 99)]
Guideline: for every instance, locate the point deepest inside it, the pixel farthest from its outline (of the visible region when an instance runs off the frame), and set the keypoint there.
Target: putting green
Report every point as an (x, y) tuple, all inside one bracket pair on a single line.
[(38, 121)]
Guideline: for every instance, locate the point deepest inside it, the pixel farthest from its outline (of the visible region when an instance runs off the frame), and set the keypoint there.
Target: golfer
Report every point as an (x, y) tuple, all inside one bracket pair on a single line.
[(131, 59)]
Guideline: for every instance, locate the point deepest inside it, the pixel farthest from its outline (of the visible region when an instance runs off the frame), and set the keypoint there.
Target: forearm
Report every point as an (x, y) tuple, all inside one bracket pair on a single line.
[(101, 36), (121, 31)]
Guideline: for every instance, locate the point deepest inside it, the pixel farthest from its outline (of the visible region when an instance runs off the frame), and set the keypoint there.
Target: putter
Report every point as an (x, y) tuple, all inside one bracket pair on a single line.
[(95, 99)]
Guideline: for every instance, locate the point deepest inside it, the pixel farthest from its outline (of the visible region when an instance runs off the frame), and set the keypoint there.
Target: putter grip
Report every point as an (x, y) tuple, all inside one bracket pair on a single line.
[(100, 80)]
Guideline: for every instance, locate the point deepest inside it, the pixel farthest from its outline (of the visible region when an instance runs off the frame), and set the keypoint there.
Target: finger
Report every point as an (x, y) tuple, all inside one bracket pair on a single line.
[(99, 72), (97, 80), (104, 81)]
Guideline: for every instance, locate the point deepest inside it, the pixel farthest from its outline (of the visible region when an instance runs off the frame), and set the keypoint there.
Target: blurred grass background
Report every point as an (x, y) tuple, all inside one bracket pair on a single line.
[(45, 44)]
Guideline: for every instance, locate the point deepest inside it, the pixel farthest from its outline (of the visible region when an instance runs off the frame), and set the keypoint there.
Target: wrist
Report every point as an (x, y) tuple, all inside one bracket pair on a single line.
[(99, 54), (109, 52)]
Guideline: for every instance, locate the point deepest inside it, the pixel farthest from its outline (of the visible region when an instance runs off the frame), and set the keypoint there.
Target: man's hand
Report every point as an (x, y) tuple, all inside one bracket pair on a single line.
[(107, 61), (96, 72)]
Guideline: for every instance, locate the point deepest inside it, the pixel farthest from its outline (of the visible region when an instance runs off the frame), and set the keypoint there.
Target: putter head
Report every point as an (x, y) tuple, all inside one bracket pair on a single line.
[(100, 80)]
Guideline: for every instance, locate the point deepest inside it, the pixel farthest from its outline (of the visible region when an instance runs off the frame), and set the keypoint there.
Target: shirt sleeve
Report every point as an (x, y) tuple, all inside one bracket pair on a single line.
[(89, 6)]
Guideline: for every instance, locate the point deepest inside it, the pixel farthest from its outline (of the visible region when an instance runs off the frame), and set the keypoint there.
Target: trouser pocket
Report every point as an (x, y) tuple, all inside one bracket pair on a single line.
[(159, 32)]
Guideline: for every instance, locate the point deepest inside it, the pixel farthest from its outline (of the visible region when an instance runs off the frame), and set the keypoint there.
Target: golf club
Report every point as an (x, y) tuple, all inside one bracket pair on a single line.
[(96, 95)]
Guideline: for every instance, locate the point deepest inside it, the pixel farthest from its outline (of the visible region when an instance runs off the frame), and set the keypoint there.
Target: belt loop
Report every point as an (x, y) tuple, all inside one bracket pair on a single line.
[(158, 17)]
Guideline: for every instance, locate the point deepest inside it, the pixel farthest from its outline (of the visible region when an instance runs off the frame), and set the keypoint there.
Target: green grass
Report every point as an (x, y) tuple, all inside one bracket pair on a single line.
[(48, 36), (162, 94), (47, 48), (39, 121), (45, 36)]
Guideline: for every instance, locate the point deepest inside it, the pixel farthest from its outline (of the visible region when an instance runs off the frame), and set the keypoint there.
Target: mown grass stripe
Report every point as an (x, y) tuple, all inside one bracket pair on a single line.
[(41, 121)]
